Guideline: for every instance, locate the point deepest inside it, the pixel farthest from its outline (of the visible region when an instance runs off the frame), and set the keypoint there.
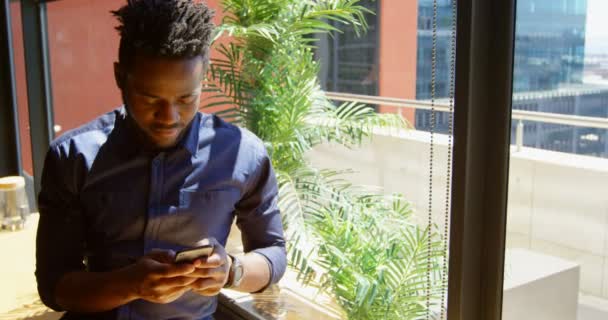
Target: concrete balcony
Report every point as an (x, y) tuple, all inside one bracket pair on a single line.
[(557, 201)]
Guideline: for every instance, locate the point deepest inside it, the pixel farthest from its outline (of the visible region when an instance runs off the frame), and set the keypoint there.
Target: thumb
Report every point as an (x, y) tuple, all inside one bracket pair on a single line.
[(160, 255)]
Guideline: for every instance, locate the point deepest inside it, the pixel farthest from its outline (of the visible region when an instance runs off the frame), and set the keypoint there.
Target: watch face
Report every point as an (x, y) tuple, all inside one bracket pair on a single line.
[(238, 272)]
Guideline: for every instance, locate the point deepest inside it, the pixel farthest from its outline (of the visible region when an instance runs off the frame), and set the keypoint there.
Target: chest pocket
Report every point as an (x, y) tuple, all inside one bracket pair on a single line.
[(201, 214)]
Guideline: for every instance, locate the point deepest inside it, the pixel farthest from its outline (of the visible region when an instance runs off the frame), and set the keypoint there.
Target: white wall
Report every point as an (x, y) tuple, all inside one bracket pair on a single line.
[(539, 287), (558, 203)]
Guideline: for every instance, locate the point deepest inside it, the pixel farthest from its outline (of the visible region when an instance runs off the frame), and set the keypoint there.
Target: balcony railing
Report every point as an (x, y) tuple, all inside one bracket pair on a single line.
[(442, 106)]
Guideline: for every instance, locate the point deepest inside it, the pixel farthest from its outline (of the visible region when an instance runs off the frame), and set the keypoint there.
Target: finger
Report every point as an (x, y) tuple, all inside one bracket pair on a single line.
[(206, 284), (209, 292), (205, 242), (210, 240), (174, 283), (174, 270), (218, 273), (173, 294), (213, 261), (161, 255), (198, 262)]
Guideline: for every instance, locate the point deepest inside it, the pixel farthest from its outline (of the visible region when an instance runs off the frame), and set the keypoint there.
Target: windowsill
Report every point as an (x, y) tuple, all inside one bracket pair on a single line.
[(287, 300)]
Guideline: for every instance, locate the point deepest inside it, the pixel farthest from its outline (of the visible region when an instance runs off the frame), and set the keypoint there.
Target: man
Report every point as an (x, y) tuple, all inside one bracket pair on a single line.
[(121, 194)]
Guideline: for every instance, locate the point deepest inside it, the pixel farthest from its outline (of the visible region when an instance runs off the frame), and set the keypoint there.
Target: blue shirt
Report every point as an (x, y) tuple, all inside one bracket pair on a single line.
[(105, 200)]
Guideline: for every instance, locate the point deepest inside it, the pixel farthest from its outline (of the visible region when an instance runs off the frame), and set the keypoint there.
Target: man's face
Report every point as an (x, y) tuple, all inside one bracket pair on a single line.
[(162, 95)]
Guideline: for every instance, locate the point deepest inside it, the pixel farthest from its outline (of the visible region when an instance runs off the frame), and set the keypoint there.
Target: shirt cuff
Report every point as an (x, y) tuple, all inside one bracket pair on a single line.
[(277, 262)]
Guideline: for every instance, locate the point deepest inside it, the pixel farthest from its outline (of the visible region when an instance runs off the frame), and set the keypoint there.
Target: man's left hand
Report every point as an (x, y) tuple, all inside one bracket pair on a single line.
[(212, 272)]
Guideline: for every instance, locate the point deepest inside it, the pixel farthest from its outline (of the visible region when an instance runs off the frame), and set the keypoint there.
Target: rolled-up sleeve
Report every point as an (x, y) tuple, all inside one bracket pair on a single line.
[(60, 235), (259, 218)]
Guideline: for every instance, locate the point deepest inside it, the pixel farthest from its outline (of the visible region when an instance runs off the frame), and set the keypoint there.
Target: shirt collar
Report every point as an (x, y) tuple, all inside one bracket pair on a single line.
[(131, 144), (190, 140)]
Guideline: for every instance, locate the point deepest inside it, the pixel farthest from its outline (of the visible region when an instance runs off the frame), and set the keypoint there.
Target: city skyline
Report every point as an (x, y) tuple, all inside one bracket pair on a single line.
[(553, 71)]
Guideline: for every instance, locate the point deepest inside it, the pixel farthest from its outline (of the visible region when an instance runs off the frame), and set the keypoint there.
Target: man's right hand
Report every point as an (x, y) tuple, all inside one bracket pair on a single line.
[(155, 278)]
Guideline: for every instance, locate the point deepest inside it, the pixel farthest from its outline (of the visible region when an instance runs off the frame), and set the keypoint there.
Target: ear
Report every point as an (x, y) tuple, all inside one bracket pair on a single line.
[(119, 75)]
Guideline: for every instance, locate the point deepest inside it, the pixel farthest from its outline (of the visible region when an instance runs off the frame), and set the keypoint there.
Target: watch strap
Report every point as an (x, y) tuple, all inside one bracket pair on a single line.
[(235, 263)]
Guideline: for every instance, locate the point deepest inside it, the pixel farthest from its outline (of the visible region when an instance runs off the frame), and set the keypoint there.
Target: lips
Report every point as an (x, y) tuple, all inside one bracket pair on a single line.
[(165, 132)]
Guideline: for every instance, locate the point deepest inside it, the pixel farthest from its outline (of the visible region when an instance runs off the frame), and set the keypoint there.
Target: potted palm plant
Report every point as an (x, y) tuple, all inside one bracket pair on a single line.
[(360, 246)]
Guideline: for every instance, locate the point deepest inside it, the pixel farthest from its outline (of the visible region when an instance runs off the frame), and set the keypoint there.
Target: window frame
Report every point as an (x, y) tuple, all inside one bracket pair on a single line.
[(484, 80), (10, 153), (38, 77)]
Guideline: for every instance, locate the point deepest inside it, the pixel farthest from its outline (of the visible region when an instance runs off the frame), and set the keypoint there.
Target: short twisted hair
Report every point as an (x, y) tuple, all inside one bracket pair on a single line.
[(164, 28)]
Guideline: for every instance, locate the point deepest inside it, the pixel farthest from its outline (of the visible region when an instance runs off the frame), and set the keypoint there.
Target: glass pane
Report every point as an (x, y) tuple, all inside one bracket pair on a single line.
[(351, 59), (557, 212), (377, 64), (394, 59)]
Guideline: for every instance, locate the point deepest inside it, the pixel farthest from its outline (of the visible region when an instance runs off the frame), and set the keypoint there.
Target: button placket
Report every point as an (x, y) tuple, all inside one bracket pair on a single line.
[(154, 203)]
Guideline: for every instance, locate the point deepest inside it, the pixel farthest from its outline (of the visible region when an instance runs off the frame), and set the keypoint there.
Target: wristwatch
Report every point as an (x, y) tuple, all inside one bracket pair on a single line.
[(235, 274)]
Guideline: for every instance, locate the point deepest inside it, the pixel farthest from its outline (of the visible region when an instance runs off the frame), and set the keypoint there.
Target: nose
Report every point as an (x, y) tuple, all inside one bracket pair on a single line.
[(166, 113)]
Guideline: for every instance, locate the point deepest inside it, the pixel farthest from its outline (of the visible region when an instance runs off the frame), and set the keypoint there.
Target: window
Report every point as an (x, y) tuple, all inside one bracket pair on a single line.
[(557, 231), (349, 63), (400, 66), (392, 71)]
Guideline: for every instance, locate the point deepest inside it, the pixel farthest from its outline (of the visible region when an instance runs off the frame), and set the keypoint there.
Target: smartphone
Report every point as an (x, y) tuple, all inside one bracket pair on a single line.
[(189, 255)]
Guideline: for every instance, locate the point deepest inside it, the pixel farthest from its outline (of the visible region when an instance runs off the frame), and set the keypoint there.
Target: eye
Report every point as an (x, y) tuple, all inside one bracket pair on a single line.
[(150, 101), (147, 100), (188, 99), (155, 103)]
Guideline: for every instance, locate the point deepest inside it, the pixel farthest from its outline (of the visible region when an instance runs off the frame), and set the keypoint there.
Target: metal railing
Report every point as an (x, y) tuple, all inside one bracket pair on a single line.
[(442, 106)]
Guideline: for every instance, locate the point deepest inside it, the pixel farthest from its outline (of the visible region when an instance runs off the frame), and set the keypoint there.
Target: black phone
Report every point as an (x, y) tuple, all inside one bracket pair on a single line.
[(189, 255)]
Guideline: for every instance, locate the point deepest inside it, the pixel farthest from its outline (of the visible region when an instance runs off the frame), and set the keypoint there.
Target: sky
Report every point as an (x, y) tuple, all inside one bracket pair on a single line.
[(596, 40)]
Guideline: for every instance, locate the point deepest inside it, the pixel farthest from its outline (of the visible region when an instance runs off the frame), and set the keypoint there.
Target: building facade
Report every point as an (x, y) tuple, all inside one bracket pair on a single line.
[(548, 75)]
